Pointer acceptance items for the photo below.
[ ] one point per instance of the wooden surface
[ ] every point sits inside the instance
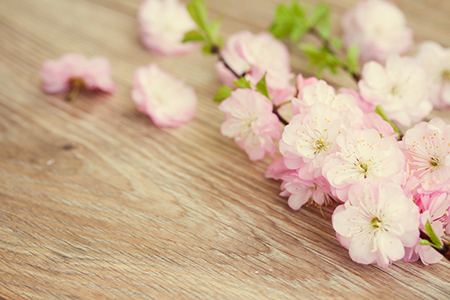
(98, 203)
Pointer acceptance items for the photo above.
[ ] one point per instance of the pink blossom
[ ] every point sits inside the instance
(365, 106)
(321, 92)
(74, 69)
(162, 24)
(301, 192)
(309, 138)
(435, 208)
(436, 61)
(164, 98)
(254, 55)
(277, 169)
(377, 223)
(401, 88)
(378, 27)
(363, 156)
(427, 150)
(251, 122)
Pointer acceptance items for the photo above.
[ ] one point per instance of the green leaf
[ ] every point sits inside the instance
(283, 14)
(320, 12)
(337, 43)
(197, 10)
(280, 30)
(298, 10)
(324, 28)
(426, 243)
(379, 110)
(242, 83)
(193, 36)
(261, 86)
(298, 30)
(353, 58)
(434, 238)
(207, 48)
(223, 93)
(214, 29)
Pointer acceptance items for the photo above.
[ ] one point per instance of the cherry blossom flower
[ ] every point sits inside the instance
(162, 24)
(73, 71)
(164, 98)
(436, 61)
(377, 223)
(378, 27)
(320, 92)
(435, 208)
(401, 88)
(309, 138)
(427, 150)
(301, 192)
(254, 55)
(363, 156)
(251, 122)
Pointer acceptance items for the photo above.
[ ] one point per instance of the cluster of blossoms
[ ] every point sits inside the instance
(337, 146)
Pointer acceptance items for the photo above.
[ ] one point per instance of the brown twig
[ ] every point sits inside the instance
(445, 251)
(216, 50)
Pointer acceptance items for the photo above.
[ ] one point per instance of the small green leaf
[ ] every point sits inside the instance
(337, 43)
(261, 86)
(426, 243)
(242, 83)
(298, 30)
(320, 12)
(193, 36)
(280, 30)
(223, 93)
(214, 29)
(353, 58)
(324, 28)
(197, 10)
(434, 238)
(298, 10)
(207, 48)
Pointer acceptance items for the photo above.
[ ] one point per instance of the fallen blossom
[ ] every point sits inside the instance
(162, 25)
(164, 98)
(73, 71)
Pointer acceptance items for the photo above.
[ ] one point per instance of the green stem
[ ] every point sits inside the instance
(326, 43)
(379, 110)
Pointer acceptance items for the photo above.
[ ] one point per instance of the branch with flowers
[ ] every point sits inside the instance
(346, 146)
(343, 146)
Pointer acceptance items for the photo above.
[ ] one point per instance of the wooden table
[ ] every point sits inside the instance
(98, 203)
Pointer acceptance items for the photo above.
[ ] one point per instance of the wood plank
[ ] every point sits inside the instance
(98, 203)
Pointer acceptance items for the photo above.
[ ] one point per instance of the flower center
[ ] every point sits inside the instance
(363, 167)
(395, 90)
(434, 161)
(376, 223)
(445, 75)
(320, 145)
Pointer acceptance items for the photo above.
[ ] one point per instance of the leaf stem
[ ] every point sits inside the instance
(379, 110)
(215, 49)
(326, 43)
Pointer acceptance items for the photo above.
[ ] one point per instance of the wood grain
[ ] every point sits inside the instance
(98, 203)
